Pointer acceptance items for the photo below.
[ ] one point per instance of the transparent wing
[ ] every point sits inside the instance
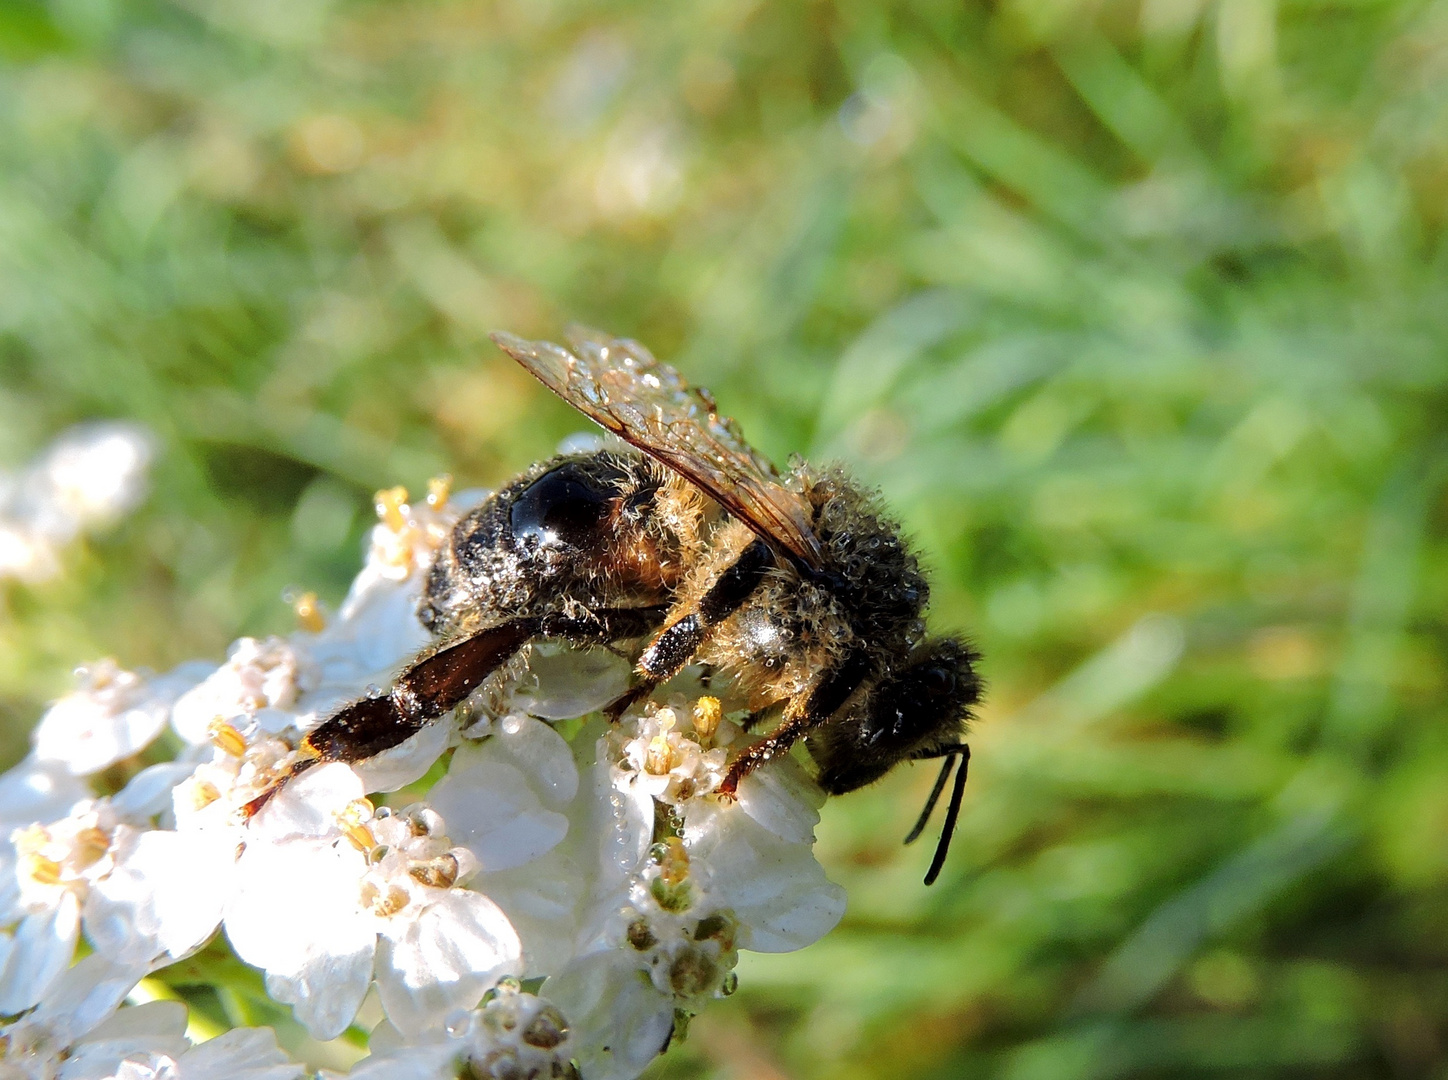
(620, 385)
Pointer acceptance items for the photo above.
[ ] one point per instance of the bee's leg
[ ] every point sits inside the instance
(676, 643)
(441, 680)
(757, 717)
(604, 625)
(801, 716)
(429, 687)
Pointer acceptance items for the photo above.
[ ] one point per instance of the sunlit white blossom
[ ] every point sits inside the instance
(111, 715)
(140, 893)
(333, 894)
(82, 1032)
(259, 682)
(513, 1035)
(90, 476)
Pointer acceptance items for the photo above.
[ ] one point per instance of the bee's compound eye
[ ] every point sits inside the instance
(938, 681)
(562, 508)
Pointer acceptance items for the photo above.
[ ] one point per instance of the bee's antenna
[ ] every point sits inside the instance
(951, 815)
(940, 780)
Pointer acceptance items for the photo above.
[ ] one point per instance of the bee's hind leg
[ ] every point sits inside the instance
(427, 689)
(441, 680)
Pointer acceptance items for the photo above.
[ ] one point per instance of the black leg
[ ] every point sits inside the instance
(823, 701)
(440, 680)
(757, 717)
(677, 643)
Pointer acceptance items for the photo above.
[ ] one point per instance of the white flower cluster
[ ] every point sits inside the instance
(89, 477)
(606, 867)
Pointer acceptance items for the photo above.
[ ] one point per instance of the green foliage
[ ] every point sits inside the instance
(1136, 313)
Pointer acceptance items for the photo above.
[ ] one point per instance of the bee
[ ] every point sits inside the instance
(685, 538)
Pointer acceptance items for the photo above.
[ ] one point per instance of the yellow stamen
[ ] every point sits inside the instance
(659, 758)
(707, 714)
(360, 836)
(674, 867)
(309, 613)
(384, 904)
(226, 737)
(202, 794)
(438, 489)
(391, 507)
(39, 868)
(91, 846)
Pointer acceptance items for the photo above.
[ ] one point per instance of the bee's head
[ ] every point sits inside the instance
(916, 708)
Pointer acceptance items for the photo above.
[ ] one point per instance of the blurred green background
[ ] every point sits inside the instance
(1136, 312)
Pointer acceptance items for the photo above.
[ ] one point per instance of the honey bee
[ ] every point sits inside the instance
(797, 585)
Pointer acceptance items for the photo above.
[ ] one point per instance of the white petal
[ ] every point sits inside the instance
(616, 1017)
(43, 946)
(433, 1059)
(149, 791)
(239, 1053)
(539, 752)
(409, 760)
(776, 889)
(543, 901)
(491, 810)
(326, 994)
(165, 894)
(85, 735)
(563, 682)
(295, 899)
(623, 821)
(85, 995)
(458, 947)
(157, 1027)
(783, 799)
(308, 806)
(38, 791)
(295, 914)
(375, 631)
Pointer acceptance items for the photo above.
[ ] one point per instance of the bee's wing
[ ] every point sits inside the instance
(619, 384)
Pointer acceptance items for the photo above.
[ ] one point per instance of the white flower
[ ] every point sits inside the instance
(239, 1054)
(55, 866)
(560, 900)
(110, 716)
(77, 1032)
(726, 875)
(90, 476)
(32, 791)
(331, 894)
(80, 1033)
(259, 682)
(140, 893)
(665, 763)
(513, 1036)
